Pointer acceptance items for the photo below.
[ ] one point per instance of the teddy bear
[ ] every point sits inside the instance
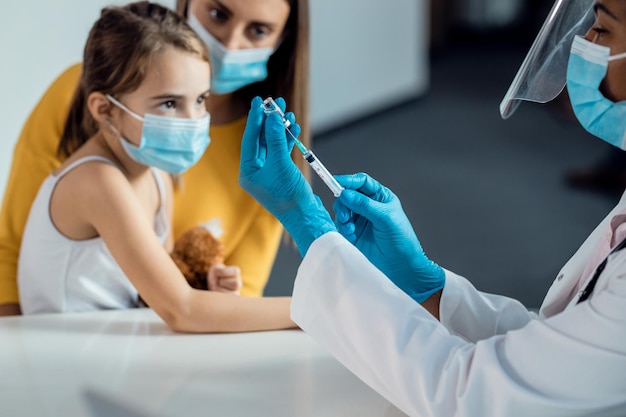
(195, 252)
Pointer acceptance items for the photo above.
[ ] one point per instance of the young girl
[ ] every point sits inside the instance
(99, 229)
(210, 192)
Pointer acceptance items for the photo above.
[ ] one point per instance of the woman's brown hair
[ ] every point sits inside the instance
(116, 58)
(288, 71)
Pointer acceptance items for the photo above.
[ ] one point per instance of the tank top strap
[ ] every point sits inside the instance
(159, 182)
(82, 161)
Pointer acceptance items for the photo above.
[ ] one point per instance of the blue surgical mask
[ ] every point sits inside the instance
(172, 144)
(232, 69)
(587, 67)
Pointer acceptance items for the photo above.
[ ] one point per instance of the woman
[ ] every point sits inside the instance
(424, 337)
(208, 192)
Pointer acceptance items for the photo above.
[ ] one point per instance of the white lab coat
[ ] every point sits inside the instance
(489, 356)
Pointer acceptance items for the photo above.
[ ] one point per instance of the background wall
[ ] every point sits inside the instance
(365, 55)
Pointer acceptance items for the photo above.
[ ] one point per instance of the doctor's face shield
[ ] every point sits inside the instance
(542, 75)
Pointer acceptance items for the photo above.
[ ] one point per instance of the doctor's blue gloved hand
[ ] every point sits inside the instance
(370, 216)
(268, 174)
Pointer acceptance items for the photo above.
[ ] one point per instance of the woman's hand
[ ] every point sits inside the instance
(370, 216)
(268, 174)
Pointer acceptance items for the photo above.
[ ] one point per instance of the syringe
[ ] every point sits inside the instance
(270, 106)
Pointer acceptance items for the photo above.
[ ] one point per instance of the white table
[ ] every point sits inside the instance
(129, 364)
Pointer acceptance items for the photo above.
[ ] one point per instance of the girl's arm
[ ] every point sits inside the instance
(114, 211)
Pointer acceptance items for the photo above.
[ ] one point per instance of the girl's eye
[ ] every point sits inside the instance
(201, 99)
(217, 15)
(168, 105)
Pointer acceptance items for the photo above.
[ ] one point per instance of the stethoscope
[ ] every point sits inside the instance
(594, 280)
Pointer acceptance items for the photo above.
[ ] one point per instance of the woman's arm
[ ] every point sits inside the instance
(256, 252)
(34, 157)
(475, 315)
(572, 364)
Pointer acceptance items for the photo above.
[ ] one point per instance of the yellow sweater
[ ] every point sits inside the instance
(209, 191)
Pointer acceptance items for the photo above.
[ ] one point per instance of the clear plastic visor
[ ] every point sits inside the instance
(542, 75)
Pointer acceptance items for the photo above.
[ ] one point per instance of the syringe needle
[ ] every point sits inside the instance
(270, 106)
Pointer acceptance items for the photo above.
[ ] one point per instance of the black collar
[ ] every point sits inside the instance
(594, 280)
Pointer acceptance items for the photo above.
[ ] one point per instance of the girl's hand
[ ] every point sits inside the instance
(222, 278)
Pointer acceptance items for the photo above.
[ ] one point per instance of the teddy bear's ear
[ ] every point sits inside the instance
(214, 226)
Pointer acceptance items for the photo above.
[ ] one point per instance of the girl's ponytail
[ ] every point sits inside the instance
(79, 125)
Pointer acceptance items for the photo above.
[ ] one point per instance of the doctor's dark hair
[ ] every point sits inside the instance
(121, 46)
(287, 69)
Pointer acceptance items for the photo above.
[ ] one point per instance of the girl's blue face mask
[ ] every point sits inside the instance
(232, 70)
(172, 144)
(587, 67)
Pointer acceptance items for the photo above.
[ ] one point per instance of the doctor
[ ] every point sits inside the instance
(424, 337)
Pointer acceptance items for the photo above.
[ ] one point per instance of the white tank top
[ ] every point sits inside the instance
(58, 274)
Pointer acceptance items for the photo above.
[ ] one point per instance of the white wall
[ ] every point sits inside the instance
(38, 40)
(366, 54)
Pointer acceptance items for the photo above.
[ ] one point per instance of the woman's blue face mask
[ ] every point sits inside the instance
(586, 69)
(172, 144)
(232, 70)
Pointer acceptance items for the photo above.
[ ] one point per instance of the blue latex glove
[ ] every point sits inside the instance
(371, 217)
(268, 173)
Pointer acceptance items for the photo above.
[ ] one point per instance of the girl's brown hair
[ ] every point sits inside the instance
(119, 50)
(288, 70)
